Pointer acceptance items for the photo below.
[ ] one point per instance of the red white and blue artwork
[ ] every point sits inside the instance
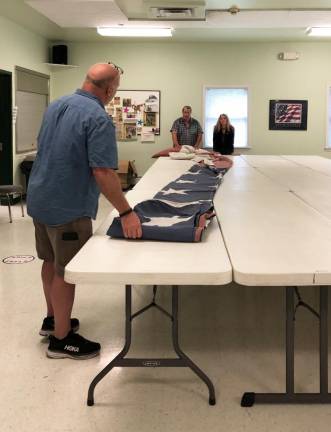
(288, 114)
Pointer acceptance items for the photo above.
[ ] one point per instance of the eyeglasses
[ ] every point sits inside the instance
(118, 68)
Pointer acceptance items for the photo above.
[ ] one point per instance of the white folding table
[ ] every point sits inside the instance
(311, 186)
(276, 238)
(272, 235)
(316, 163)
(137, 262)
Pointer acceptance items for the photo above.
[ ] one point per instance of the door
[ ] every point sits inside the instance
(6, 138)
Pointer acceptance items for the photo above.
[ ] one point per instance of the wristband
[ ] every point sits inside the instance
(126, 212)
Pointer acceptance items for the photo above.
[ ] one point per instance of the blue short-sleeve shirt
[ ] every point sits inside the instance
(76, 135)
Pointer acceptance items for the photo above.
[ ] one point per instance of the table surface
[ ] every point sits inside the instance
(316, 163)
(275, 220)
(277, 229)
(307, 178)
(106, 260)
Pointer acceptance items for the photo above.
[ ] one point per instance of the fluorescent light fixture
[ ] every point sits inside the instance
(319, 31)
(135, 31)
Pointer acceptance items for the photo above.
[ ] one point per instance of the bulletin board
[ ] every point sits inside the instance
(135, 113)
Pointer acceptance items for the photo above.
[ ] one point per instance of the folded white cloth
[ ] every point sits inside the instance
(181, 155)
(202, 152)
(205, 160)
(187, 149)
(189, 152)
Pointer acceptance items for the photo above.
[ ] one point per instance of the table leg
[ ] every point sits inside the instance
(179, 352)
(113, 363)
(9, 208)
(21, 201)
(181, 361)
(324, 340)
(290, 397)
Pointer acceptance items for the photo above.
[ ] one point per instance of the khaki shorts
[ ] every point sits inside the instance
(60, 243)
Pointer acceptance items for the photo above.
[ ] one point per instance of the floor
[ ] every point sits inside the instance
(235, 334)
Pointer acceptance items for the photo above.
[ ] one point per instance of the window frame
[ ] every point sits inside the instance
(327, 147)
(242, 86)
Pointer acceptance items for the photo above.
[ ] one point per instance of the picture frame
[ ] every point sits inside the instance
(130, 131)
(149, 119)
(127, 102)
(288, 114)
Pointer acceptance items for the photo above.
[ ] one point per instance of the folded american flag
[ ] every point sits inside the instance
(181, 210)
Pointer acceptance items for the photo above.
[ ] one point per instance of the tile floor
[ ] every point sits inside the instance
(235, 334)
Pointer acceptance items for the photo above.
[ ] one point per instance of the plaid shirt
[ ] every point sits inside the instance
(186, 135)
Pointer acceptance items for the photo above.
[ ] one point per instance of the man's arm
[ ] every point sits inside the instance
(110, 186)
(174, 131)
(198, 141)
(175, 139)
(199, 136)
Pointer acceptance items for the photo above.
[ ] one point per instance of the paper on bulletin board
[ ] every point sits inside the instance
(147, 135)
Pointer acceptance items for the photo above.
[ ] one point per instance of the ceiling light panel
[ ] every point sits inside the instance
(121, 31)
(319, 31)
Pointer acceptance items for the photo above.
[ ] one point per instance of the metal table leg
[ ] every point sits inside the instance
(121, 361)
(290, 397)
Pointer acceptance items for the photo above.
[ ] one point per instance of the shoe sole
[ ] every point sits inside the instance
(62, 355)
(51, 332)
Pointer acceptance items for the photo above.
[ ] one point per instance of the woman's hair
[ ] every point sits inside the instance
(228, 125)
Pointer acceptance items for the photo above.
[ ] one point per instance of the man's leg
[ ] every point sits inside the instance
(65, 343)
(66, 241)
(49, 280)
(47, 275)
(45, 252)
(62, 299)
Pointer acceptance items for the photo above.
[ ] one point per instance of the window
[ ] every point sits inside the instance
(32, 93)
(232, 101)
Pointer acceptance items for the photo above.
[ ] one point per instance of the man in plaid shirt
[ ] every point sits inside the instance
(186, 130)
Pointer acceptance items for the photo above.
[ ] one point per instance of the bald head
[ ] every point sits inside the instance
(101, 74)
(102, 80)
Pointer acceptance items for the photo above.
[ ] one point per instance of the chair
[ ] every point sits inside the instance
(9, 191)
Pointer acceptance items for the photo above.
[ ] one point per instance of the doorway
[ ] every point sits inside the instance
(6, 133)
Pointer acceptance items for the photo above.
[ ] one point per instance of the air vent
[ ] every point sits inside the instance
(172, 13)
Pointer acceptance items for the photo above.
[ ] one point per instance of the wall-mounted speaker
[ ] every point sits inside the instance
(60, 54)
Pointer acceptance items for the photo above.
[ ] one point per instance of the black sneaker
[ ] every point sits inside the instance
(47, 329)
(72, 346)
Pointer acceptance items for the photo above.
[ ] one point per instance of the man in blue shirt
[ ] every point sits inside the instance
(76, 159)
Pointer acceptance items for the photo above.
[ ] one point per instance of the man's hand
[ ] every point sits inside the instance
(131, 226)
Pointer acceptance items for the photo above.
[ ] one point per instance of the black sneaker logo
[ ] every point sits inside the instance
(71, 348)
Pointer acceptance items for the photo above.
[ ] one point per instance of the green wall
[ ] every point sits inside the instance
(20, 47)
(181, 70)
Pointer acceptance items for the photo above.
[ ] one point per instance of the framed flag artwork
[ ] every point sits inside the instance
(288, 114)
